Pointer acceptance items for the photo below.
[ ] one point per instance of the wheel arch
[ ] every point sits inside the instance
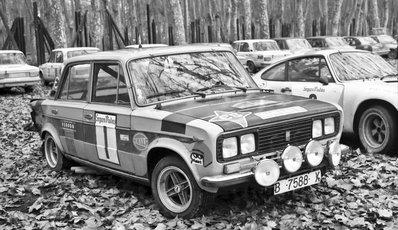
(49, 129)
(369, 103)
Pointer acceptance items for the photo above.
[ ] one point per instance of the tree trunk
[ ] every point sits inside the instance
(386, 13)
(57, 25)
(375, 14)
(336, 14)
(300, 26)
(248, 18)
(97, 30)
(264, 22)
(358, 12)
(234, 19)
(178, 29)
(227, 9)
(325, 17)
(350, 12)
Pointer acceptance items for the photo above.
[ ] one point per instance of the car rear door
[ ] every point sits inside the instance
(107, 118)
(67, 109)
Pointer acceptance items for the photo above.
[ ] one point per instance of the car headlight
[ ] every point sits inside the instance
(329, 125)
(292, 159)
(334, 153)
(230, 147)
(314, 153)
(267, 172)
(316, 128)
(247, 143)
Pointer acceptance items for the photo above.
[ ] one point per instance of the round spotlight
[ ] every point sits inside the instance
(334, 153)
(314, 153)
(267, 172)
(292, 159)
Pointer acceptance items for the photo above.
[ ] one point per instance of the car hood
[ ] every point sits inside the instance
(347, 47)
(246, 110)
(387, 85)
(18, 68)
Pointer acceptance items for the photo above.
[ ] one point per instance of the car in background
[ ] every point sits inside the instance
(329, 42)
(186, 120)
(53, 67)
(363, 83)
(295, 45)
(15, 72)
(367, 43)
(389, 43)
(258, 53)
(137, 46)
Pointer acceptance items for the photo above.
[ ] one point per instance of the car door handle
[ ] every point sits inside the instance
(286, 89)
(54, 111)
(88, 116)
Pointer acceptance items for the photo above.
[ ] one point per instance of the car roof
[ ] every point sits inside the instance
(255, 40)
(75, 48)
(320, 52)
(314, 37)
(127, 54)
(11, 51)
(288, 38)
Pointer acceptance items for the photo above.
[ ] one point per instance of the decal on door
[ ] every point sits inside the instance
(105, 130)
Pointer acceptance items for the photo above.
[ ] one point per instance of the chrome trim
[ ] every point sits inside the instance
(226, 180)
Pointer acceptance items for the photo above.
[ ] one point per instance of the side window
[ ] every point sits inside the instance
(324, 70)
(244, 47)
(110, 84)
(305, 69)
(275, 74)
(59, 57)
(75, 84)
(235, 46)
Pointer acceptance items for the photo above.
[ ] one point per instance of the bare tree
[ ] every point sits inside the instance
(178, 30)
(375, 14)
(97, 30)
(248, 18)
(57, 24)
(264, 24)
(234, 19)
(300, 25)
(336, 14)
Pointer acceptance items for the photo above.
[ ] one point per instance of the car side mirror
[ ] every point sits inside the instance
(324, 80)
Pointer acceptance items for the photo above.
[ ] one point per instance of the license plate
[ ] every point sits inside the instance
(297, 182)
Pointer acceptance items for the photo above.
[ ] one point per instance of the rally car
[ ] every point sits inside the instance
(187, 121)
(364, 84)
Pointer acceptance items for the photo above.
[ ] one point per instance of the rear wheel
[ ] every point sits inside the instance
(175, 190)
(251, 66)
(54, 157)
(378, 130)
(393, 54)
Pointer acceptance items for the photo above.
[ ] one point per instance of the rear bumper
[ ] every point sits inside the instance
(21, 81)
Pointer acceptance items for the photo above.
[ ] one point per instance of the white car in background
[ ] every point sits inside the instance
(52, 68)
(15, 72)
(362, 83)
(258, 53)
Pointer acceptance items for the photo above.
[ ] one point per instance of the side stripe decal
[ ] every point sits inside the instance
(176, 123)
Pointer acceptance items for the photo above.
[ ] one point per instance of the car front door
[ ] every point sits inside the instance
(67, 109)
(107, 118)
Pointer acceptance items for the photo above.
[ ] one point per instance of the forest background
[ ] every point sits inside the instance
(193, 21)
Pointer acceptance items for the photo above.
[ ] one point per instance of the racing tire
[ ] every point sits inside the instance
(393, 54)
(54, 157)
(251, 67)
(377, 130)
(176, 191)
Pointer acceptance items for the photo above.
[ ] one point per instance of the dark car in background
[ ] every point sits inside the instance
(389, 43)
(295, 45)
(367, 43)
(329, 42)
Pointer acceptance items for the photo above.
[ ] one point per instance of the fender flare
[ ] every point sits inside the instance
(49, 128)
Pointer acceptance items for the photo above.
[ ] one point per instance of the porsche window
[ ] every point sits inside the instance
(75, 84)
(167, 77)
(308, 69)
(277, 73)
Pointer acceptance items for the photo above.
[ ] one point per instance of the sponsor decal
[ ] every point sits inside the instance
(280, 112)
(235, 117)
(196, 158)
(68, 125)
(105, 120)
(124, 137)
(314, 89)
(254, 103)
(140, 141)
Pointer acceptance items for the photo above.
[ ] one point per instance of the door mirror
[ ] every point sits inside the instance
(324, 80)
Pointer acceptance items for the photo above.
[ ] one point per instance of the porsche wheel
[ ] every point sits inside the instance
(175, 189)
(251, 67)
(54, 157)
(377, 130)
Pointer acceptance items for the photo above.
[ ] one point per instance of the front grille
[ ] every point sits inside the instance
(273, 137)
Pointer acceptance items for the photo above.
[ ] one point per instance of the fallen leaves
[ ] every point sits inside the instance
(362, 193)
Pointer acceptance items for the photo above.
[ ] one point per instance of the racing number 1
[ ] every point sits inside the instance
(105, 132)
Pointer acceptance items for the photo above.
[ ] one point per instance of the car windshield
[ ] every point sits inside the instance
(75, 53)
(386, 39)
(357, 66)
(169, 77)
(12, 58)
(367, 41)
(335, 41)
(265, 45)
(298, 44)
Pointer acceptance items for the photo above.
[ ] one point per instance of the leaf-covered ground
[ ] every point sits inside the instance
(361, 194)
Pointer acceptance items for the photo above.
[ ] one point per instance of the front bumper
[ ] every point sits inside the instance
(20, 81)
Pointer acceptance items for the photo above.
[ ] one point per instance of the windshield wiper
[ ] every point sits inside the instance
(389, 75)
(164, 93)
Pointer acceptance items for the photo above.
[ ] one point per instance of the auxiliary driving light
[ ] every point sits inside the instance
(292, 159)
(334, 153)
(267, 172)
(314, 153)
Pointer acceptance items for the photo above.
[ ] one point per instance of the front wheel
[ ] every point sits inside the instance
(176, 191)
(54, 157)
(251, 67)
(378, 130)
(393, 54)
